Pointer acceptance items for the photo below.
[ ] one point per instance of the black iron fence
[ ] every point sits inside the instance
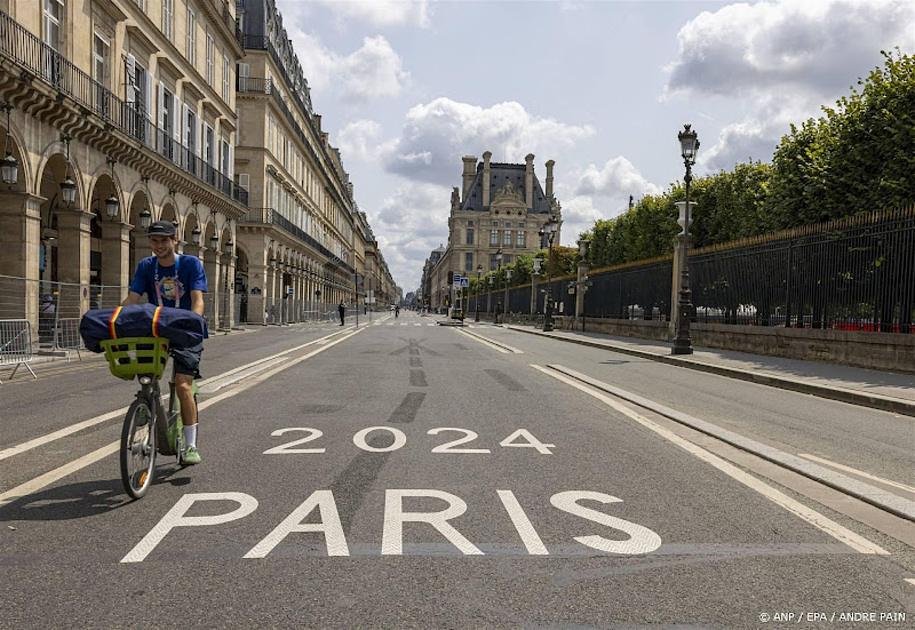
(30, 53)
(856, 273)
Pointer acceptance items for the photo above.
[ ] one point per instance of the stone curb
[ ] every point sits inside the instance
(862, 399)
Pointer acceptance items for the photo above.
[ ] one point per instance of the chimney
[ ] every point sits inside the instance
(470, 166)
(549, 180)
(487, 174)
(529, 180)
(318, 121)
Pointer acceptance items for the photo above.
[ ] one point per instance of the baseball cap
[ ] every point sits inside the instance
(161, 228)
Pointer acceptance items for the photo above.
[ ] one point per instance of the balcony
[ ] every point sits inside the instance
(269, 216)
(40, 60)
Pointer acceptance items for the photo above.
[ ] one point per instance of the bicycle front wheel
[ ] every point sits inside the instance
(138, 449)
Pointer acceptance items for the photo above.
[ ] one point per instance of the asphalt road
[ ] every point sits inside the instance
(412, 475)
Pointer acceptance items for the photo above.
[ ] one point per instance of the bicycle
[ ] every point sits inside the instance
(149, 427)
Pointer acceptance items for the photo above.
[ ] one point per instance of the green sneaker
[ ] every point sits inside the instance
(190, 456)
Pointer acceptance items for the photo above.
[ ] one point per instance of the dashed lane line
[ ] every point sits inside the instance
(79, 426)
(821, 522)
(50, 477)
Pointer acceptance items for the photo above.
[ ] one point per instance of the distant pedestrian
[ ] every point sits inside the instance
(342, 309)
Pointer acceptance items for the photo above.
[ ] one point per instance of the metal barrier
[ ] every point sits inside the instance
(16, 344)
(66, 336)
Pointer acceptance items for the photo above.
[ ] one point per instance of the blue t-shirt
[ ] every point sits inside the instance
(163, 288)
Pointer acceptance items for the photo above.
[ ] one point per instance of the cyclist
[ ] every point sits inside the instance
(179, 282)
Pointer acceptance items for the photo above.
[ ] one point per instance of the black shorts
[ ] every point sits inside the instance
(187, 360)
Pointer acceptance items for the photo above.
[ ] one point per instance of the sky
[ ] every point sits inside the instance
(407, 88)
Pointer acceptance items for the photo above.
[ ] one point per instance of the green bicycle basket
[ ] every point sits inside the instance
(129, 357)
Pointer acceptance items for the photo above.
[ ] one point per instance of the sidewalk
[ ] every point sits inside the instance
(888, 391)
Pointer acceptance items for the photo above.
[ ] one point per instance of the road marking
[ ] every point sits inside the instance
(498, 345)
(79, 426)
(522, 523)
(910, 581)
(855, 471)
(840, 533)
(48, 478)
(419, 324)
(482, 340)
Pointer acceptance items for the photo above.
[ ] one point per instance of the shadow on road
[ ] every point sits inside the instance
(80, 500)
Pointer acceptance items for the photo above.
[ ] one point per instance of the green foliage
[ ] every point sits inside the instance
(857, 157)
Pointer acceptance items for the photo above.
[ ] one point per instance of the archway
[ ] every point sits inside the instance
(64, 248)
(139, 244)
(109, 258)
(20, 239)
(241, 284)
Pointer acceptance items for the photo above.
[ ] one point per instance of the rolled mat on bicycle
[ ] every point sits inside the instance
(182, 328)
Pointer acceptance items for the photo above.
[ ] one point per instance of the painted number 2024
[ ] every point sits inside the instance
(522, 438)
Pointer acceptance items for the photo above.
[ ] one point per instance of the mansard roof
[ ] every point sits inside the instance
(501, 174)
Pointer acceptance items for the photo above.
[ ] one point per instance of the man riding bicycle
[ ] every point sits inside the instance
(175, 281)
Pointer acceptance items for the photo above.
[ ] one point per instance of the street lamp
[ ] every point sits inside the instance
(145, 218)
(112, 205)
(68, 186)
(689, 146)
(195, 236)
(548, 233)
(582, 283)
(499, 257)
(476, 317)
(492, 281)
(537, 265)
(508, 278)
(9, 170)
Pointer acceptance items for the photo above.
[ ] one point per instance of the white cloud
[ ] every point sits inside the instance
(373, 71)
(437, 133)
(380, 13)
(819, 46)
(409, 224)
(616, 178)
(361, 140)
(786, 59)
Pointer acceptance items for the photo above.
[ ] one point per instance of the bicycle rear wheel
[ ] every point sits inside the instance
(138, 449)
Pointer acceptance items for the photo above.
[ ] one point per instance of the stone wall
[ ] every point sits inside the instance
(879, 351)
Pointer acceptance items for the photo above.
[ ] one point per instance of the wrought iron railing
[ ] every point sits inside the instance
(30, 53)
(855, 274)
(269, 216)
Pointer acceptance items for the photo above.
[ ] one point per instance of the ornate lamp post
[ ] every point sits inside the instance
(535, 271)
(582, 282)
(495, 315)
(476, 317)
(689, 146)
(508, 279)
(112, 205)
(548, 232)
(492, 281)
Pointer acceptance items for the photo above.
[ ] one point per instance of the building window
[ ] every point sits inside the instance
(520, 238)
(468, 261)
(191, 41)
(494, 238)
(507, 260)
(507, 238)
(53, 16)
(226, 75)
(211, 50)
(470, 236)
(168, 18)
(493, 263)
